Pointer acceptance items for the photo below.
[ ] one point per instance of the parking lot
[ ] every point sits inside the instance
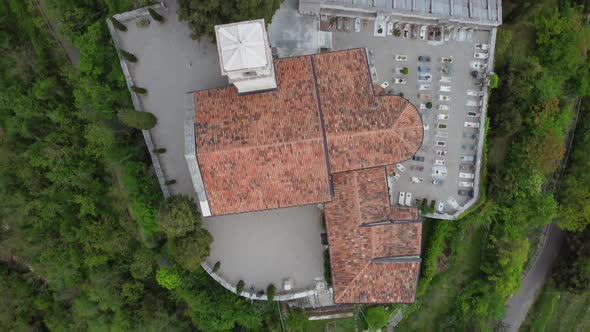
(447, 90)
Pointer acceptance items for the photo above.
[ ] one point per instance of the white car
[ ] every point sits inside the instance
(400, 167)
(439, 171)
(480, 55)
(473, 114)
(468, 158)
(445, 88)
(445, 79)
(398, 70)
(440, 162)
(424, 87)
(474, 103)
(402, 198)
(396, 175)
(441, 153)
(424, 78)
(466, 184)
(469, 124)
(357, 24)
(441, 143)
(416, 179)
(401, 57)
(482, 47)
(443, 116)
(444, 98)
(466, 175)
(444, 107)
(446, 59)
(442, 134)
(384, 85)
(423, 32)
(474, 93)
(409, 199)
(478, 65)
(423, 106)
(398, 80)
(389, 28)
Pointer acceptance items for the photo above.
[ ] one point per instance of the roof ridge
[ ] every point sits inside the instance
(242, 148)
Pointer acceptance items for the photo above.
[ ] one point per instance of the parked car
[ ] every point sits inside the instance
(418, 158)
(402, 198)
(414, 31)
(467, 167)
(473, 114)
(480, 55)
(400, 167)
(474, 93)
(424, 58)
(440, 162)
(442, 134)
(468, 158)
(446, 59)
(445, 88)
(396, 175)
(406, 31)
(424, 87)
(444, 98)
(442, 107)
(423, 69)
(463, 175)
(474, 103)
(478, 65)
(469, 124)
(425, 78)
(423, 32)
(389, 28)
(417, 168)
(408, 199)
(445, 79)
(441, 153)
(466, 184)
(482, 47)
(401, 57)
(468, 147)
(443, 116)
(441, 143)
(424, 96)
(399, 80)
(465, 192)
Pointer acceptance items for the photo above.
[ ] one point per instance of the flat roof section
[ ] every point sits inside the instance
(263, 150)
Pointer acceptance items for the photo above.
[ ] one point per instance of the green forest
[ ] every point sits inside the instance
(88, 242)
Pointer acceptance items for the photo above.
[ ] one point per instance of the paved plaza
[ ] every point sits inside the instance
(382, 51)
(259, 247)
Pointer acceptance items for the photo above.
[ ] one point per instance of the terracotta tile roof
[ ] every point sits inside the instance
(373, 260)
(263, 150)
(403, 214)
(269, 149)
(363, 130)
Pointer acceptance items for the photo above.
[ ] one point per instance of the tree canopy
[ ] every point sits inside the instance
(178, 216)
(202, 16)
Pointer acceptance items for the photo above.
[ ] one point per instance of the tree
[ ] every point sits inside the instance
(142, 264)
(405, 71)
(117, 24)
(296, 320)
(128, 56)
(155, 15)
(494, 81)
(169, 277)
(216, 267)
(202, 16)
(429, 105)
(270, 292)
(192, 249)
(240, 287)
(138, 119)
(138, 89)
(178, 216)
(377, 317)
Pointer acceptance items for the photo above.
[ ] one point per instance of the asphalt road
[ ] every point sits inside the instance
(520, 303)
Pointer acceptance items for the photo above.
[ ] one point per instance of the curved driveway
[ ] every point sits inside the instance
(520, 303)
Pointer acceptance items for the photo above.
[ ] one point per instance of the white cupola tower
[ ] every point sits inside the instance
(245, 56)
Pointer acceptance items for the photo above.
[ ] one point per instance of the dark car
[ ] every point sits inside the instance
(467, 167)
(470, 136)
(418, 158)
(417, 168)
(424, 58)
(468, 193)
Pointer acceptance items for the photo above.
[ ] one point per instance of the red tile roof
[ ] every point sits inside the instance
(363, 130)
(372, 259)
(268, 150)
(264, 150)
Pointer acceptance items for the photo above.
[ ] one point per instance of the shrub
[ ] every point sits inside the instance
(137, 119)
(216, 267)
(159, 150)
(429, 105)
(137, 89)
(270, 292)
(397, 32)
(191, 250)
(296, 320)
(154, 14)
(117, 24)
(128, 56)
(240, 287)
(179, 216)
(377, 317)
(494, 81)
(405, 71)
(170, 182)
(144, 22)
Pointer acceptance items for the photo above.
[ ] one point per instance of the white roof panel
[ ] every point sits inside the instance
(242, 46)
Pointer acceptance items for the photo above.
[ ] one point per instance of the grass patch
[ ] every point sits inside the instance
(341, 324)
(558, 311)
